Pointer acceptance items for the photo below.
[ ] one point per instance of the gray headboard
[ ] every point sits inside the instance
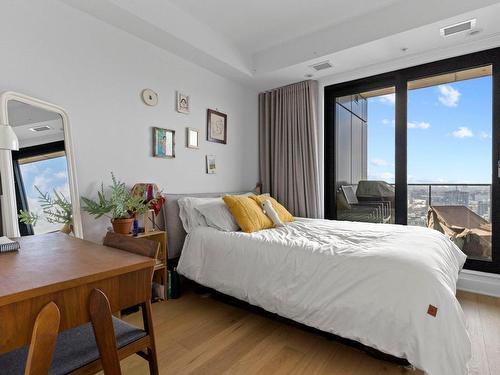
(169, 220)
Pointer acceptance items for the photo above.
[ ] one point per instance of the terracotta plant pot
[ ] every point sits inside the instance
(67, 228)
(122, 226)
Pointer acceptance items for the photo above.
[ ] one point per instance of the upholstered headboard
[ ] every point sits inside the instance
(170, 221)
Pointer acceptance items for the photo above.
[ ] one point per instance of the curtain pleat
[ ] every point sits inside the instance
(288, 147)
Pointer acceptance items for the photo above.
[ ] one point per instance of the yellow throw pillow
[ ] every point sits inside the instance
(283, 213)
(247, 213)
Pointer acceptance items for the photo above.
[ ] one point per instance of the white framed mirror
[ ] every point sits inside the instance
(43, 168)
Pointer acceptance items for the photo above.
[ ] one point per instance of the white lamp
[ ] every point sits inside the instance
(8, 139)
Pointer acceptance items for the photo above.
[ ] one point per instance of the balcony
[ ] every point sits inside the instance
(461, 211)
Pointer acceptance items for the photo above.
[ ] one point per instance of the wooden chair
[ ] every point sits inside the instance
(102, 323)
(37, 358)
(101, 314)
(139, 246)
(43, 340)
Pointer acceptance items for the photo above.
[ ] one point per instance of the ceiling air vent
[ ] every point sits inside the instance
(458, 27)
(322, 66)
(40, 128)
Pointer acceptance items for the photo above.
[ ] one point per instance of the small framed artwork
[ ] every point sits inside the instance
(182, 103)
(211, 167)
(216, 126)
(163, 143)
(192, 138)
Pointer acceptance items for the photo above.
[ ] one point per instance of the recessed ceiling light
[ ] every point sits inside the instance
(322, 65)
(404, 49)
(458, 28)
(309, 75)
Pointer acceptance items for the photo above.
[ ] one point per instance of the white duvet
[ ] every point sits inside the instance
(371, 283)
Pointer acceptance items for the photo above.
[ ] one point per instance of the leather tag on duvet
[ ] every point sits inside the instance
(432, 310)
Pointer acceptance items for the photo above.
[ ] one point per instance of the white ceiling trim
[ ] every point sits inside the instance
(173, 29)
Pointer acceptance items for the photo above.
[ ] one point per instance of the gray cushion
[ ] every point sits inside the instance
(75, 348)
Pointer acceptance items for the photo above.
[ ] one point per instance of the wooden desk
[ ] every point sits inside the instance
(57, 267)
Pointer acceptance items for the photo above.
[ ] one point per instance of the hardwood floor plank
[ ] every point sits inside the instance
(198, 335)
(490, 321)
(479, 363)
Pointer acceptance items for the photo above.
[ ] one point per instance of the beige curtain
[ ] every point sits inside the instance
(288, 146)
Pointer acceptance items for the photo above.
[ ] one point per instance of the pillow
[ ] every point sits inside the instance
(267, 206)
(247, 213)
(189, 216)
(283, 213)
(218, 216)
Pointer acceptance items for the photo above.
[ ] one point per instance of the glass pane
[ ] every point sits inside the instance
(46, 176)
(365, 143)
(449, 157)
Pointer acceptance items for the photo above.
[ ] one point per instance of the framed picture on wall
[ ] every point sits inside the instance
(182, 103)
(192, 138)
(163, 143)
(216, 126)
(211, 167)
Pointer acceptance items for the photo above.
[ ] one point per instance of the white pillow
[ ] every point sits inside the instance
(218, 216)
(189, 216)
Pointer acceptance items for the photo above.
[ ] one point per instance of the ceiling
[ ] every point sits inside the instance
(23, 117)
(270, 43)
(259, 24)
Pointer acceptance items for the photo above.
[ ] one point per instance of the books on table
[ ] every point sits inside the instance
(6, 245)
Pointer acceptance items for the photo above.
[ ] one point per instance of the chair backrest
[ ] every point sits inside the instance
(139, 246)
(102, 323)
(350, 194)
(43, 340)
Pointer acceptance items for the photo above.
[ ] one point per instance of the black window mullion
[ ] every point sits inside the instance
(401, 194)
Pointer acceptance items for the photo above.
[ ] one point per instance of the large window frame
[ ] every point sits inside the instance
(399, 79)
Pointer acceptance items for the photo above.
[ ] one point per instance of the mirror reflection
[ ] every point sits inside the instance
(40, 170)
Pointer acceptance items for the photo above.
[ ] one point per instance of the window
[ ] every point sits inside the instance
(40, 169)
(439, 151)
(449, 157)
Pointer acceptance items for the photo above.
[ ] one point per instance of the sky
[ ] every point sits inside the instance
(47, 175)
(449, 133)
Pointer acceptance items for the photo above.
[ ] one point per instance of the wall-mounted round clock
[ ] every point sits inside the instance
(149, 97)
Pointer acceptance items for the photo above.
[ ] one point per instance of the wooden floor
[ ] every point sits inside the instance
(198, 334)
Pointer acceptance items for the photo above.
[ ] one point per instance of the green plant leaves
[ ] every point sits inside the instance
(121, 204)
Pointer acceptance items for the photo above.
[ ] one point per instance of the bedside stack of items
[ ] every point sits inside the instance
(8, 245)
(160, 284)
(154, 201)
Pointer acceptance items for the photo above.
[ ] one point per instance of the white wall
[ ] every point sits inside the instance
(96, 72)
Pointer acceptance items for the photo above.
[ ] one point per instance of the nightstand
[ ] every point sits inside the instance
(160, 271)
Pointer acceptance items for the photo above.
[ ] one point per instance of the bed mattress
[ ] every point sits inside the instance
(389, 287)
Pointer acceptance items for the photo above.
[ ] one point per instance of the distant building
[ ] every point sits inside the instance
(456, 197)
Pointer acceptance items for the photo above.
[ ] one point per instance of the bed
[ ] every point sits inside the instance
(389, 287)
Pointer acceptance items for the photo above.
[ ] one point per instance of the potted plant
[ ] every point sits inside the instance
(121, 206)
(56, 209)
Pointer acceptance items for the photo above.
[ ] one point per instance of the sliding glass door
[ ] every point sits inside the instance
(364, 126)
(449, 157)
(423, 150)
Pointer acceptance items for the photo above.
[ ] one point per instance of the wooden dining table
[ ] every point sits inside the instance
(60, 268)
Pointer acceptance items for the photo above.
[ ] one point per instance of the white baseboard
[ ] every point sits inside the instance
(479, 282)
